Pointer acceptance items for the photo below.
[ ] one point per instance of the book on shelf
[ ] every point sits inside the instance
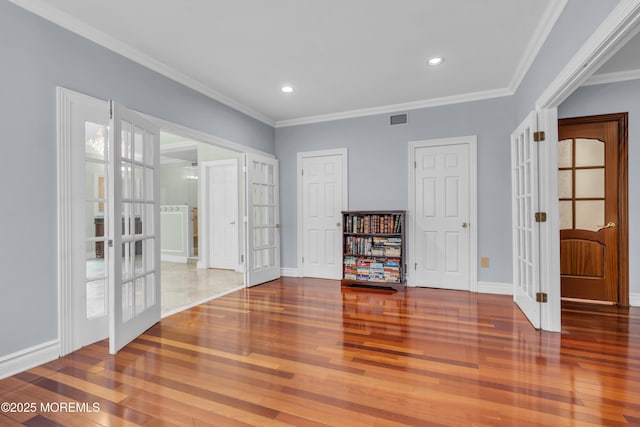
(374, 224)
(373, 248)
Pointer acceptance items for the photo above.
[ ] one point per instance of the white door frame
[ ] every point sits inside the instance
(203, 212)
(345, 195)
(471, 141)
(614, 32)
(65, 99)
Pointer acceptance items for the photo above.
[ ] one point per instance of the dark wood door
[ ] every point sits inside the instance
(591, 184)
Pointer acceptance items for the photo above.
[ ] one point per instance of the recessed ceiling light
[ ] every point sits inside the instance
(435, 61)
(287, 89)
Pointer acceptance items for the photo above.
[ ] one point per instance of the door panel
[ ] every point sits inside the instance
(222, 178)
(89, 209)
(525, 233)
(322, 200)
(588, 153)
(442, 216)
(263, 219)
(134, 263)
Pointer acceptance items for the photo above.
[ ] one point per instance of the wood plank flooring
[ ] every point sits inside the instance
(305, 352)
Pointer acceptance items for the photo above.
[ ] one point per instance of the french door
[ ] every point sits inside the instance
(524, 183)
(263, 219)
(134, 225)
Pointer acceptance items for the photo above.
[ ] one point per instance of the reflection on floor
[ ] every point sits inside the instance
(184, 286)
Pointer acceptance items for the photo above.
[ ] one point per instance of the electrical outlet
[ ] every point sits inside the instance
(484, 262)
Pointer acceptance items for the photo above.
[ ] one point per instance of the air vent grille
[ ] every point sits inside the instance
(398, 119)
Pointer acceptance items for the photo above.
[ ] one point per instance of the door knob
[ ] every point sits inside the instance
(338, 224)
(610, 224)
(465, 225)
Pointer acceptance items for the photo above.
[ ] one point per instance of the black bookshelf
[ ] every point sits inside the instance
(373, 249)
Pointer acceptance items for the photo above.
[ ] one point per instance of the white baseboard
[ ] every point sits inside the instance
(174, 258)
(28, 358)
(290, 272)
(495, 288)
(634, 299)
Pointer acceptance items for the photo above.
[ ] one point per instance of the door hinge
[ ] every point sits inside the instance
(415, 165)
(242, 258)
(111, 110)
(538, 136)
(302, 172)
(415, 266)
(541, 297)
(541, 217)
(303, 260)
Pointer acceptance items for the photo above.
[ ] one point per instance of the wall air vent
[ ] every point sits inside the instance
(398, 119)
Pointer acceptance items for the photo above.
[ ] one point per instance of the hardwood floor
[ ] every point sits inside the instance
(306, 352)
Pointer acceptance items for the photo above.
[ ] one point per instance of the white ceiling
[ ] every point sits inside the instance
(342, 57)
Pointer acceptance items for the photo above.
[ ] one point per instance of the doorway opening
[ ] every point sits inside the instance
(189, 197)
(593, 207)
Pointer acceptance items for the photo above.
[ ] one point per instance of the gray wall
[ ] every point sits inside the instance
(36, 57)
(617, 98)
(370, 141)
(577, 22)
(378, 175)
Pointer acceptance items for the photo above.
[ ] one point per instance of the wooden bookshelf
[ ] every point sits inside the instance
(373, 249)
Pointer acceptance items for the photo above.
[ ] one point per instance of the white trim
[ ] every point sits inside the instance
(404, 107)
(345, 194)
(549, 244)
(495, 288)
(536, 41)
(634, 299)
(65, 99)
(178, 146)
(620, 76)
(618, 28)
(76, 26)
(472, 142)
(199, 302)
(174, 258)
(28, 358)
(196, 135)
(290, 272)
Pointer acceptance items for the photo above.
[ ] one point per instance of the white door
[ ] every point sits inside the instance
(524, 188)
(134, 249)
(322, 204)
(89, 212)
(263, 219)
(222, 211)
(442, 216)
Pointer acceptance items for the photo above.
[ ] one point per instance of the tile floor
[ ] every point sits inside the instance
(184, 285)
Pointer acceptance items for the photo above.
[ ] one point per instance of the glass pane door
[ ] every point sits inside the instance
(263, 236)
(133, 199)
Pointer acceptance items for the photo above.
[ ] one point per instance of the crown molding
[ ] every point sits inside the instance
(616, 29)
(427, 103)
(620, 76)
(63, 19)
(537, 40)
